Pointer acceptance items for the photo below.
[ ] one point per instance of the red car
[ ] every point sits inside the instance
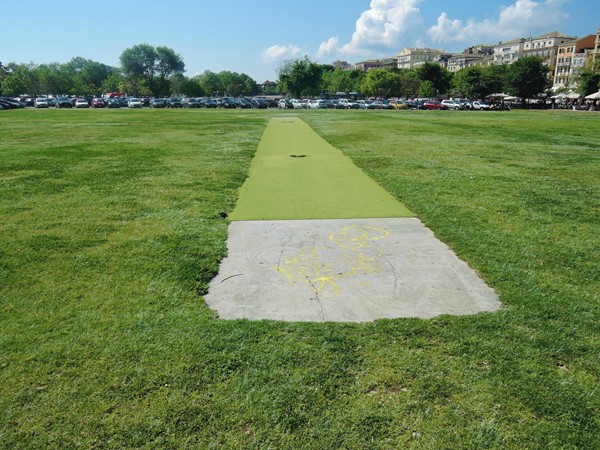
(98, 103)
(434, 104)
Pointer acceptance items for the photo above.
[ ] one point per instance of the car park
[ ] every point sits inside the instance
(112, 103)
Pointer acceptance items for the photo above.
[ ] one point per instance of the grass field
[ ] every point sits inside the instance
(110, 233)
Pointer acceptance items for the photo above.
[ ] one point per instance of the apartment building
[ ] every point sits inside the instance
(546, 47)
(415, 57)
(344, 65)
(477, 55)
(571, 57)
(508, 52)
(596, 52)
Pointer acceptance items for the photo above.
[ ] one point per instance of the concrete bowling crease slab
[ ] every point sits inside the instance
(343, 271)
(335, 269)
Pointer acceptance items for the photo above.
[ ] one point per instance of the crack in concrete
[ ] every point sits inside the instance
(317, 298)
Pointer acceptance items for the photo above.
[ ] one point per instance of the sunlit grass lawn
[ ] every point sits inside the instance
(110, 232)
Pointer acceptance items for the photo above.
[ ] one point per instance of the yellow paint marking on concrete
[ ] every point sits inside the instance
(360, 256)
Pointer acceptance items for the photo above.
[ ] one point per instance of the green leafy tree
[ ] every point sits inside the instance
(382, 83)
(427, 89)
(410, 82)
(439, 76)
(301, 77)
(211, 83)
(115, 82)
(190, 87)
(588, 81)
(479, 82)
(340, 80)
(527, 78)
(151, 67)
(21, 79)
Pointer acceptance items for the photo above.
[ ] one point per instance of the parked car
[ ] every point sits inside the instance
(317, 104)
(98, 103)
(63, 102)
(227, 102)
(207, 102)
(347, 103)
(259, 103)
(81, 103)
(243, 103)
(434, 105)
(157, 103)
(112, 103)
(134, 102)
(452, 104)
(378, 104)
(190, 103)
(284, 103)
(9, 103)
(40, 103)
(299, 104)
(173, 102)
(480, 106)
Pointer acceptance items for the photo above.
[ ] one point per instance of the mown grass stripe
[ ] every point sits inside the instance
(298, 175)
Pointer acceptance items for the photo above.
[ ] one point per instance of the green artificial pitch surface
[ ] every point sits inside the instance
(297, 175)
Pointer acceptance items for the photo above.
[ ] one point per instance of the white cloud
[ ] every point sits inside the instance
(328, 47)
(517, 20)
(382, 25)
(280, 52)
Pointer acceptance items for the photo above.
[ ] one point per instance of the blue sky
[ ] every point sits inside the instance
(256, 36)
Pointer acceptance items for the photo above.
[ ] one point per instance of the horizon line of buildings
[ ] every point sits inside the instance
(565, 56)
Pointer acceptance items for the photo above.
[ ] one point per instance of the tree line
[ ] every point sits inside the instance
(526, 78)
(144, 71)
(159, 71)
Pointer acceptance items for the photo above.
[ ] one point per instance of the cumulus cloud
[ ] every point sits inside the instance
(280, 52)
(382, 25)
(516, 20)
(328, 47)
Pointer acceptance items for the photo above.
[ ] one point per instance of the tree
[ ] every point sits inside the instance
(427, 89)
(340, 80)
(382, 83)
(437, 75)
(190, 87)
(479, 82)
(151, 66)
(527, 77)
(588, 81)
(211, 83)
(21, 79)
(301, 77)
